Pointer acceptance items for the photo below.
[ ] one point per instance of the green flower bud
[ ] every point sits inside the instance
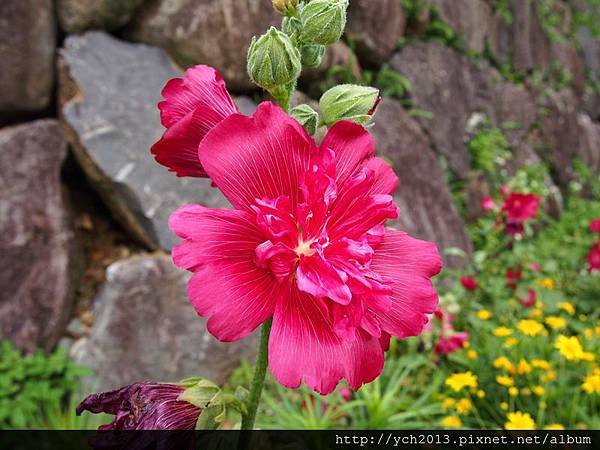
(349, 102)
(285, 6)
(307, 117)
(273, 60)
(323, 21)
(291, 26)
(312, 55)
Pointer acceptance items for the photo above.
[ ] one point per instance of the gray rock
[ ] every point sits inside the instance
(375, 26)
(79, 15)
(146, 329)
(27, 41)
(109, 90)
(452, 88)
(426, 208)
(36, 242)
(213, 32)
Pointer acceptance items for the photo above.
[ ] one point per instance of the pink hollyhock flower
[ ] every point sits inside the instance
(504, 190)
(449, 344)
(535, 267)
(346, 393)
(530, 300)
(595, 225)
(520, 207)
(143, 406)
(593, 257)
(305, 244)
(513, 276)
(192, 107)
(469, 283)
(488, 204)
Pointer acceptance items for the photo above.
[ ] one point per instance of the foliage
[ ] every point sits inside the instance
(589, 18)
(488, 148)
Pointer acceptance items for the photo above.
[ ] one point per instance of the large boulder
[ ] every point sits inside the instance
(213, 32)
(426, 208)
(27, 41)
(452, 88)
(144, 328)
(108, 95)
(375, 28)
(36, 241)
(79, 15)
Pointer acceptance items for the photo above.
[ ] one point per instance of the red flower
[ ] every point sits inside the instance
(535, 267)
(593, 257)
(513, 276)
(192, 107)
(530, 300)
(469, 283)
(595, 225)
(449, 344)
(520, 207)
(144, 406)
(305, 244)
(346, 393)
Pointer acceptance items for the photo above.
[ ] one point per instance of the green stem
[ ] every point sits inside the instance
(262, 361)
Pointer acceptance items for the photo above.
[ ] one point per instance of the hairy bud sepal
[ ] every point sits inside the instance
(312, 55)
(273, 61)
(349, 102)
(307, 117)
(323, 21)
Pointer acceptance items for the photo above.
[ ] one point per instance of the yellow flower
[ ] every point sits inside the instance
(539, 304)
(463, 406)
(591, 384)
(505, 381)
(502, 332)
(511, 342)
(588, 356)
(448, 403)
(588, 333)
(503, 406)
(555, 322)
(458, 381)
(567, 307)
(523, 367)
(547, 283)
(504, 363)
(554, 426)
(597, 330)
(541, 364)
(451, 422)
(484, 314)
(472, 355)
(549, 376)
(569, 347)
(538, 390)
(513, 391)
(519, 421)
(466, 344)
(530, 327)
(480, 394)
(536, 314)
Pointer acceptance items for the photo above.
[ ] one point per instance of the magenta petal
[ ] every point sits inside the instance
(386, 181)
(200, 86)
(258, 157)
(227, 286)
(409, 263)
(304, 347)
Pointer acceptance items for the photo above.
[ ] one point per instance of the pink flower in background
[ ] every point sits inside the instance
(520, 207)
(346, 393)
(593, 257)
(513, 276)
(535, 267)
(306, 245)
(449, 340)
(530, 300)
(488, 204)
(504, 190)
(193, 105)
(143, 406)
(469, 283)
(595, 225)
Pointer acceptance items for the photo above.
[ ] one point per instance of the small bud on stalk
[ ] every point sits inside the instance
(285, 7)
(312, 55)
(349, 102)
(307, 117)
(273, 61)
(323, 21)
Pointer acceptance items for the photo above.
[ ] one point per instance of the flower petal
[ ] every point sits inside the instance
(200, 86)
(386, 181)
(409, 263)
(352, 145)
(304, 347)
(258, 157)
(227, 286)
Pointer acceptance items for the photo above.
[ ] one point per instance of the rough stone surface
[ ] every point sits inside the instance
(375, 27)
(109, 90)
(36, 252)
(452, 88)
(146, 329)
(79, 15)
(213, 32)
(426, 208)
(27, 43)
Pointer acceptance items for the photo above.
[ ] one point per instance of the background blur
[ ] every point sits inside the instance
(477, 94)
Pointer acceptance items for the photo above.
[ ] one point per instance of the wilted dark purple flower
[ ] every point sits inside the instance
(144, 406)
